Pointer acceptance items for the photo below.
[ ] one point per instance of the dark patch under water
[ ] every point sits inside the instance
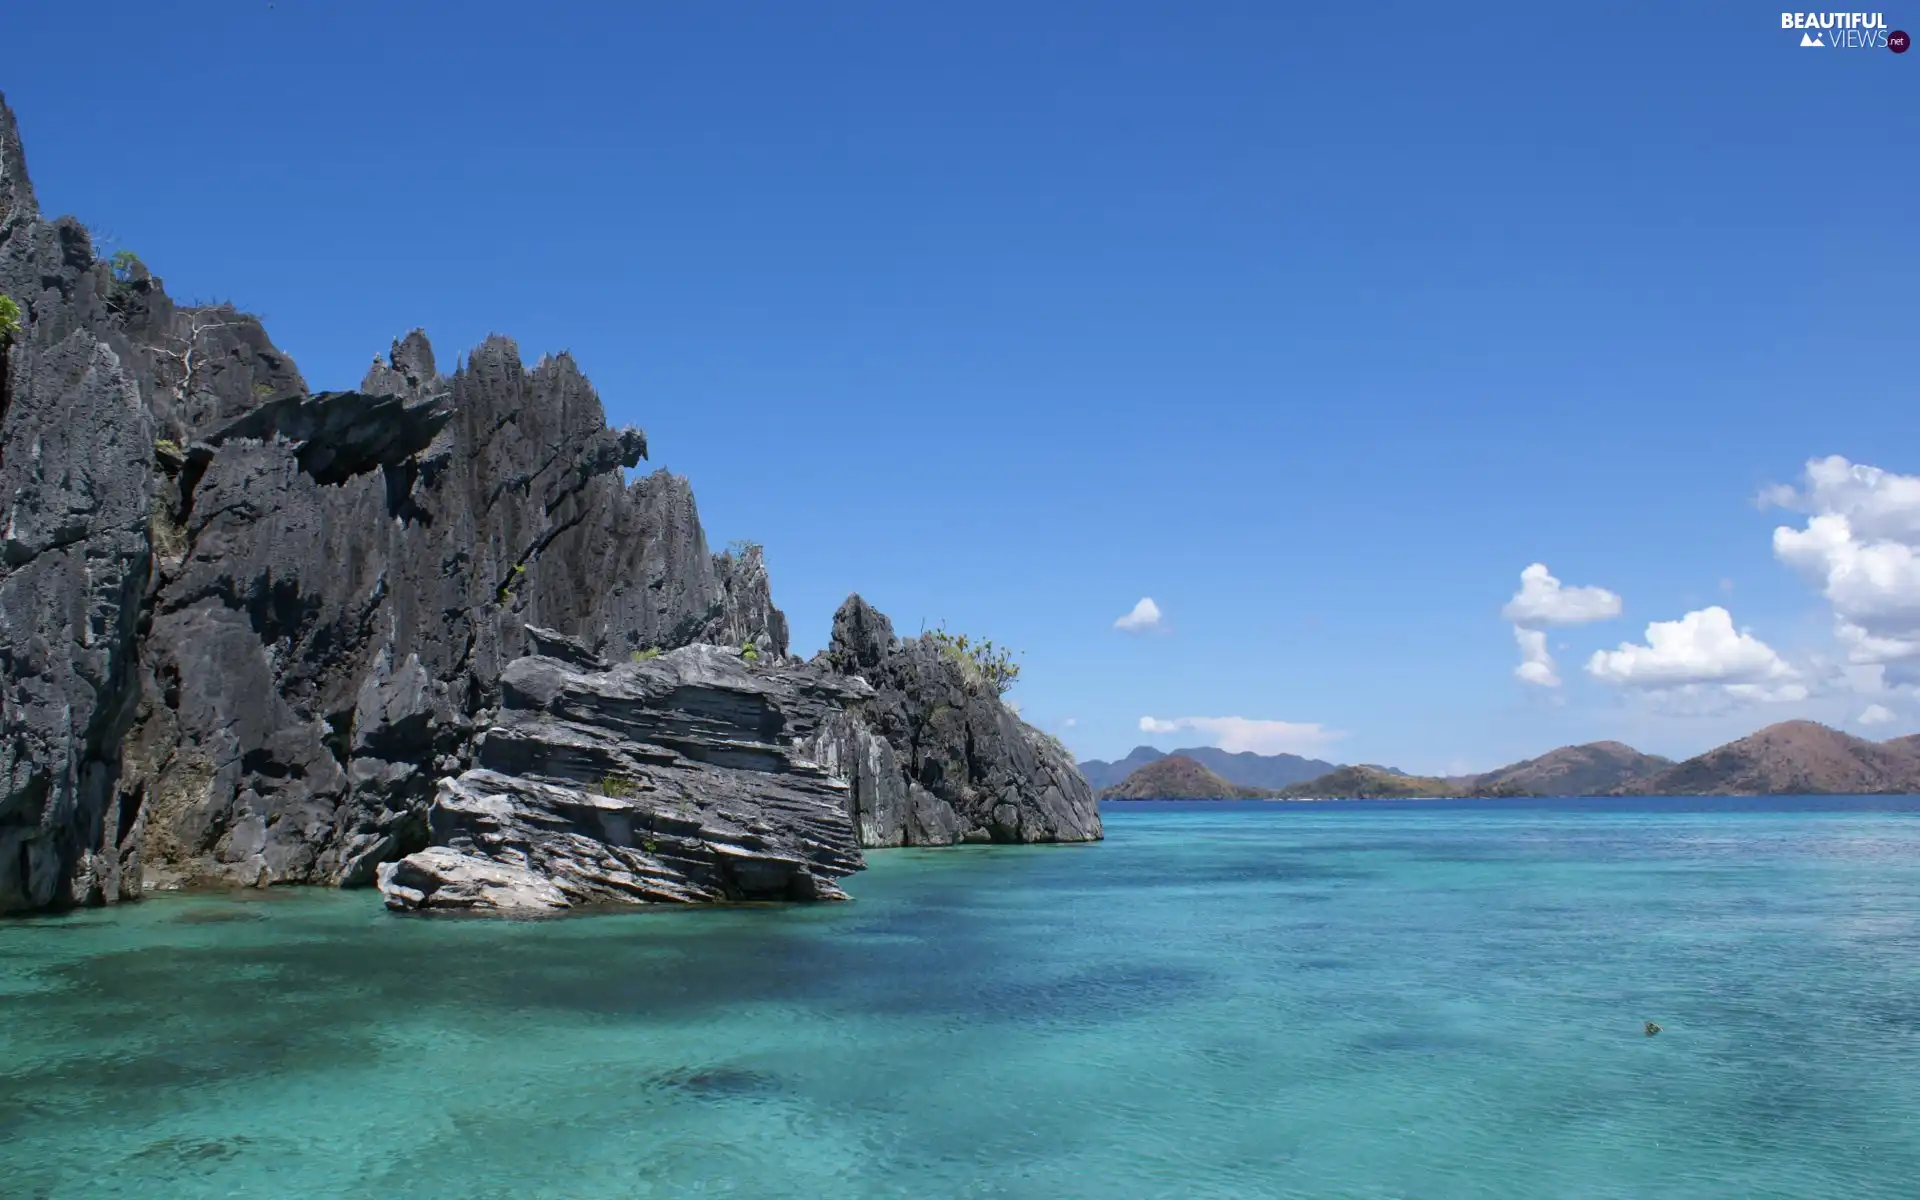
(718, 1082)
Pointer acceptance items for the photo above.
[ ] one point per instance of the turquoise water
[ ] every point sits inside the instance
(1238, 1001)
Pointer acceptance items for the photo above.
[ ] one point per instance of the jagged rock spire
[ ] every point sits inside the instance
(17, 205)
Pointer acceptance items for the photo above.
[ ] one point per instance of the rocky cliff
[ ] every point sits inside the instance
(246, 631)
(935, 757)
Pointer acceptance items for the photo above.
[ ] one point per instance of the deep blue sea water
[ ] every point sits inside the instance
(1365, 1000)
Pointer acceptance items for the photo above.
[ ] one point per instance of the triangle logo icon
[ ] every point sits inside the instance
(1811, 39)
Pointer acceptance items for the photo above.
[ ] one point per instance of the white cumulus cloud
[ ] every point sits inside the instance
(1070, 723)
(1543, 600)
(1879, 505)
(1144, 616)
(1860, 546)
(1536, 665)
(1234, 734)
(1875, 714)
(1701, 648)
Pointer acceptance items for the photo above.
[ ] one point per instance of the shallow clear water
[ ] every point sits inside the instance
(1220, 1001)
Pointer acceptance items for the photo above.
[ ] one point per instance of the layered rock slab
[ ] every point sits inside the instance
(678, 779)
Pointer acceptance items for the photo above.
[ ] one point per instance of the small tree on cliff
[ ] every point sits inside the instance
(182, 353)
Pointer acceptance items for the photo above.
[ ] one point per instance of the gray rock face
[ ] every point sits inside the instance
(251, 634)
(370, 562)
(292, 607)
(75, 442)
(935, 757)
(672, 780)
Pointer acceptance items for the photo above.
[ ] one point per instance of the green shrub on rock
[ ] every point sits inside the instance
(981, 662)
(619, 787)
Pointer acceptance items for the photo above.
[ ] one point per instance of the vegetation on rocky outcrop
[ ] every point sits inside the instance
(1373, 783)
(981, 661)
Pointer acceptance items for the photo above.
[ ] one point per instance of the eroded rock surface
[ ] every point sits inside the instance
(677, 780)
(249, 633)
(75, 440)
(935, 757)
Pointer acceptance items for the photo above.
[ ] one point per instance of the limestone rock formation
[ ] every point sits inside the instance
(248, 632)
(675, 779)
(75, 441)
(935, 757)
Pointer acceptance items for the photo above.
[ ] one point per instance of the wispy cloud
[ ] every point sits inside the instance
(1234, 734)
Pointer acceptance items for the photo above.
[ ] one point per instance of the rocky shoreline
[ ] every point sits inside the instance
(422, 633)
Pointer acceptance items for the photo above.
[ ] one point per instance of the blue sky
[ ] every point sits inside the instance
(1316, 327)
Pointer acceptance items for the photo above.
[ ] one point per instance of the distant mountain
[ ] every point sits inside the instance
(1374, 783)
(1594, 769)
(1792, 758)
(1245, 769)
(1103, 775)
(1177, 777)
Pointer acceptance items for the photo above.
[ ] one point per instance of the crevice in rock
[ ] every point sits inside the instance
(192, 470)
(339, 736)
(130, 806)
(402, 505)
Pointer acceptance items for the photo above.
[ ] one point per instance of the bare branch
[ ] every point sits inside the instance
(183, 351)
